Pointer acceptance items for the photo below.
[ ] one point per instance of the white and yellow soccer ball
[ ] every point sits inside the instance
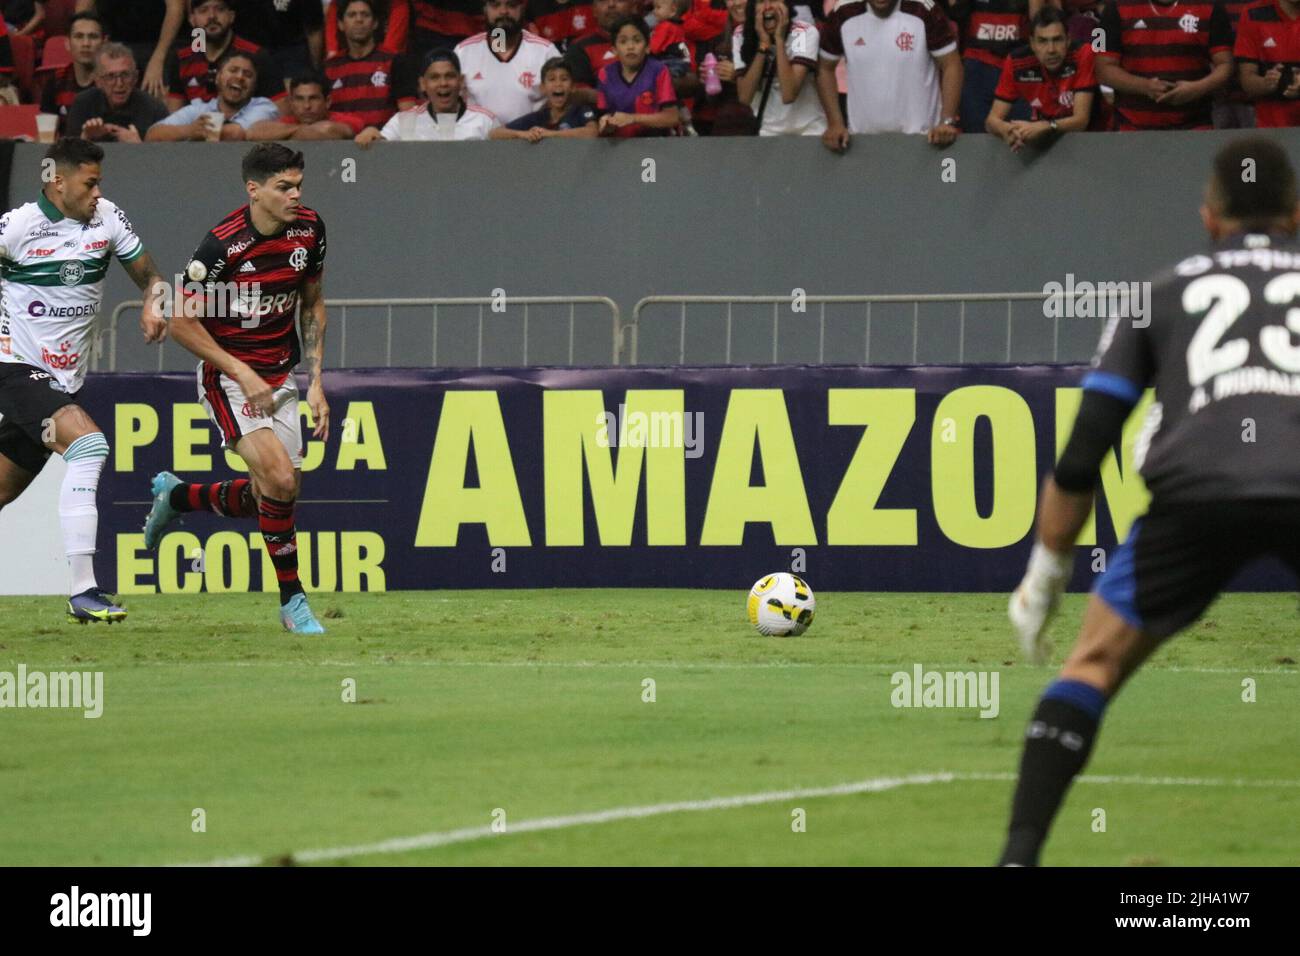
(781, 605)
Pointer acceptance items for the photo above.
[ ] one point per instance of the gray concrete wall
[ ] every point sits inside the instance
(726, 216)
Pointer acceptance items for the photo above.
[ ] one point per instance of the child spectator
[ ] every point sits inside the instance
(635, 93)
(560, 115)
(668, 40)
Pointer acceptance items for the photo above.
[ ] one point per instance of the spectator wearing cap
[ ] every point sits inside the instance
(85, 37)
(903, 71)
(193, 74)
(503, 65)
(635, 94)
(1165, 61)
(560, 115)
(292, 32)
(310, 115)
(445, 115)
(148, 27)
(366, 81)
(235, 105)
(114, 109)
(1052, 77)
(776, 48)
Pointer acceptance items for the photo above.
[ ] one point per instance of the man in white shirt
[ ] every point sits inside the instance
(904, 70)
(503, 65)
(446, 115)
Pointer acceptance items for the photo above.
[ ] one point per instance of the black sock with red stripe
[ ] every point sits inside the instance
(232, 498)
(275, 518)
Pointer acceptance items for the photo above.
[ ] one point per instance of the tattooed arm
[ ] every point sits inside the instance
(312, 322)
(153, 319)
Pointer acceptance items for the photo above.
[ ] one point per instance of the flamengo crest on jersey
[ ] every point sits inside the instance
(53, 271)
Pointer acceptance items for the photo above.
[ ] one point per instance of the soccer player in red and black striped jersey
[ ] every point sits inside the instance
(366, 82)
(1268, 52)
(1164, 61)
(1056, 78)
(271, 255)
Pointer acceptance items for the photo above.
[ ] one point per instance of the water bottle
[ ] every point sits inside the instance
(712, 85)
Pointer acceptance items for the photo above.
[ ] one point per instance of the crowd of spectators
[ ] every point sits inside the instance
(1026, 71)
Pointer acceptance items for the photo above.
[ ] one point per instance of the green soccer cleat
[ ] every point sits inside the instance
(296, 616)
(162, 513)
(94, 606)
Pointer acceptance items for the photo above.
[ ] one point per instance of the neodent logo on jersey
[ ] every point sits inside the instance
(38, 309)
(1098, 300)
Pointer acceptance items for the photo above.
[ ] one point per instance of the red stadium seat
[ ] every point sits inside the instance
(55, 53)
(24, 65)
(18, 122)
(58, 17)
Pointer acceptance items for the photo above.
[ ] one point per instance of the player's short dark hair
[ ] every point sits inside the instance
(556, 63)
(633, 21)
(437, 55)
(1045, 17)
(87, 15)
(344, 4)
(69, 152)
(269, 159)
(1264, 196)
(236, 55)
(310, 78)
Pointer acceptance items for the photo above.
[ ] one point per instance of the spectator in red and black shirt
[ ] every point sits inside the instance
(1268, 52)
(993, 29)
(1053, 77)
(394, 32)
(561, 22)
(1164, 61)
(443, 23)
(1232, 108)
(366, 82)
(588, 56)
(194, 74)
(85, 37)
(311, 115)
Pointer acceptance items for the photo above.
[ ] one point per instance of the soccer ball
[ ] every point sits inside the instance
(781, 605)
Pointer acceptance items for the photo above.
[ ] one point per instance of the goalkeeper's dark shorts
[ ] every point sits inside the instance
(1178, 558)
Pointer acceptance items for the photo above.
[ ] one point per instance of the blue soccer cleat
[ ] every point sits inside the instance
(162, 513)
(94, 605)
(296, 616)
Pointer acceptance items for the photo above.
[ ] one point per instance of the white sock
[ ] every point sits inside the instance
(78, 514)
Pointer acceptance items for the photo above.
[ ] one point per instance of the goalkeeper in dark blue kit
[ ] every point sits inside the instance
(1220, 454)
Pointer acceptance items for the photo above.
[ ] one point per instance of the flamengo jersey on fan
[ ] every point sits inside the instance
(1049, 95)
(258, 326)
(506, 88)
(893, 82)
(1267, 37)
(1173, 41)
(994, 28)
(53, 269)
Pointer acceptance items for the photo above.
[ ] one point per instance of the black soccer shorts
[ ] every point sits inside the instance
(27, 401)
(1178, 558)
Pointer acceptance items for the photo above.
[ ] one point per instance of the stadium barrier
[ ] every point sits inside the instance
(338, 317)
(865, 478)
(795, 308)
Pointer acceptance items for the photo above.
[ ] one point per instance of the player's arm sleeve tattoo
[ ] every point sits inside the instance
(312, 298)
(145, 275)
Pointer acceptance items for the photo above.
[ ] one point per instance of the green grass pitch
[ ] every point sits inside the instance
(477, 707)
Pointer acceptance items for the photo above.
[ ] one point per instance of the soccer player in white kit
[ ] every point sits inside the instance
(54, 254)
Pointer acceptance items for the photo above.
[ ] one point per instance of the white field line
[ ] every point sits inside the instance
(423, 841)
(697, 665)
